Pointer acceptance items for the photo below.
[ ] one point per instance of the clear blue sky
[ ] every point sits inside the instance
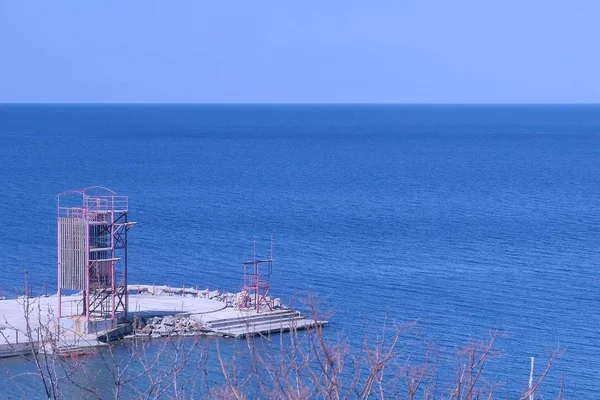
(401, 51)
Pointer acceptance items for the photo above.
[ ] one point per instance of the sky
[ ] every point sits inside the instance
(323, 51)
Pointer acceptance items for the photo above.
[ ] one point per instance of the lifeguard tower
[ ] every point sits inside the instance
(93, 227)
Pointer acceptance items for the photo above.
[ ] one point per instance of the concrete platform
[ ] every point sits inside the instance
(23, 322)
(149, 305)
(213, 316)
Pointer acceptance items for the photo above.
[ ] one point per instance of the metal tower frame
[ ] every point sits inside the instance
(257, 283)
(93, 226)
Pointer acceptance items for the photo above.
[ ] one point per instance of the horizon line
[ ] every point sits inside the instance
(2, 103)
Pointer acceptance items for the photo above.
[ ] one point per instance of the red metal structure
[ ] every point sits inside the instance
(257, 283)
(93, 226)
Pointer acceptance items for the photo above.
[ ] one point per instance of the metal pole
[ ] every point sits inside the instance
(59, 267)
(113, 263)
(531, 395)
(126, 245)
(88, 265)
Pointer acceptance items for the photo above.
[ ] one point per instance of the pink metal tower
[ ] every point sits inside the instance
(93, 226)
(257, 283)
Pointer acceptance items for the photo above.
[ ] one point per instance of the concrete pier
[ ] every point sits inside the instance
(154, 311)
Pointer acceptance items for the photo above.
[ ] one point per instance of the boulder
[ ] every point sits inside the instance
(162, 330)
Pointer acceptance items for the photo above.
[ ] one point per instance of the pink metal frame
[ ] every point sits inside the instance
(104, 216)
(257, 283)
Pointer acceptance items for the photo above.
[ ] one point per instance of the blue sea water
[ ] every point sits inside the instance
(464, 218)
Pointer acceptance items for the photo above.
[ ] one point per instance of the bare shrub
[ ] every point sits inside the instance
(397, 363)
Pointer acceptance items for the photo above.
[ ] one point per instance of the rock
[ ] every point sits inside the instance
(147, 329)
(231, 297)
(169, 320)
(162, 330)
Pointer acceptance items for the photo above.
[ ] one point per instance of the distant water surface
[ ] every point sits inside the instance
(465, 218)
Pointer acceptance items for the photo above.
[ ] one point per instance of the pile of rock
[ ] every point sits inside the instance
(169, 325)
(230, 299)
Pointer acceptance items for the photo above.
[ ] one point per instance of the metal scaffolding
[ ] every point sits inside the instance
(93, 226)
(257, 283)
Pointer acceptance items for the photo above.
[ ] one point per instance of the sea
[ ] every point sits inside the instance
(458, 220)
